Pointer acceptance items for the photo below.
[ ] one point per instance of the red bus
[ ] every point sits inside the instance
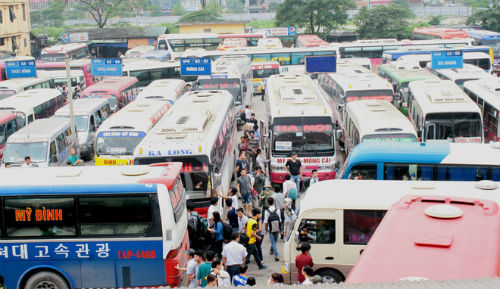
(310, 40)
(57, 53)
(120, 90)
(433, 237)
(81, 71)
(429, 33)
(8, 126)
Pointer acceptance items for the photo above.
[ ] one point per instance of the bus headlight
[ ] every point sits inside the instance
(277, 169)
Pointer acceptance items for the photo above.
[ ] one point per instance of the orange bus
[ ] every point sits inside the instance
(429, 33)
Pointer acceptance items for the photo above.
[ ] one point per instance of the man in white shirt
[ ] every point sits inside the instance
(248, 112)
(273, 226)
(233, 255)
(27, 162)
(191, 269)
(242, 221)
(314, 178)
(214, 201)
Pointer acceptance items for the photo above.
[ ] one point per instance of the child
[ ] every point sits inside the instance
(241, 279)
(307, 272)
(233, 195)
(211, 280)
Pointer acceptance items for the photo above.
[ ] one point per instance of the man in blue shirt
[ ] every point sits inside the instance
(73, 158)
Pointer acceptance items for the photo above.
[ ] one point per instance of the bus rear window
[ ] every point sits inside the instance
(359, 225)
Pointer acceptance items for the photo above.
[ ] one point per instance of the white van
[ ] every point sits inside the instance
(89, 114)
(46, 141)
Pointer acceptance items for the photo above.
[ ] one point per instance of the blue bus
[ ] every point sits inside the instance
(486, 38)
(423, 162)
(92, 227)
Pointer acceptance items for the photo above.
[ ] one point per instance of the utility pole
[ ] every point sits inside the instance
(70, 101)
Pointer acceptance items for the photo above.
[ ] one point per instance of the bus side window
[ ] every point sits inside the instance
(317, 231)
(98, 118)
(11, 127)
(92, 123)
(363, 172)
(359, 225)
(61, 143)
(53, 153)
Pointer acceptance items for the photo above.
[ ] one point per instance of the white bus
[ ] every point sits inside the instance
(46, 141)
(147, 71)
(461, 75)
(118, 136)
(352, 83)
(178, 43)
(261, 71)
(33, 104)
(441, 111)
(376, 120)
(234, 74)
(57, 53)
(339, 217)
(165, 89)
(479, 59)
(17, 85)
(485, 92)
(200, 132)
(300, 120)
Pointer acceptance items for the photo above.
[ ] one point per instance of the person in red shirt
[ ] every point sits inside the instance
(303, 260)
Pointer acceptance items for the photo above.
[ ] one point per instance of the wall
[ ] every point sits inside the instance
(222, 28)
(15, 28)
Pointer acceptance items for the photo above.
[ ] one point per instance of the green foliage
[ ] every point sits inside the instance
(435, 20)
(488, 19)
(477, 3)
(389, 21)
(52, 15)
(261, 24)
(318, 16)
(401, 2)
(235, 6)
(214, 7)
(51, 31)
(102, 10)
(178, 9)
(211, 13)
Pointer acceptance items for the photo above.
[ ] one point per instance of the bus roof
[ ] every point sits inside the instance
(18, 84)
(414, 241)
(5, 116)
(403, 75)
(167, 89)
(357, 77)
(295, 95)
(483, 34)
(28, 99)
(434, 96)
(82, 106)
(378, 117)
(111, 84)
(74, 63)
(232, 66)
(310, 40)
(444, 33)
(469, 71)
(62, 48)
(485, 89)
(138, 115)
(426, 153)
(191, 127)
(82, 180)
(187, 35)
(381, 195)
(131, 64)
(39, 130)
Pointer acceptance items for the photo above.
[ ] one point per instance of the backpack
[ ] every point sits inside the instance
(292, 193)
(227, 231)
(194, 222)
(273, 221)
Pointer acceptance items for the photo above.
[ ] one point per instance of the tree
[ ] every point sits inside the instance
(389, 21)
(435, 20)
(488, 19)
(52, 15)
(235, 6)
(178, 9)
(102, 10)
(211, 13)
(318, 16)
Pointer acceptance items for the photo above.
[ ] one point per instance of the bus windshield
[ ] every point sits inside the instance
(81, 121)
(230, 84)
(16, 152)
(453, 126)
(390, 137)
(118, 142)
(265, 73)
(53, 57)
(6, 93)
(307, 134)
(383, 94)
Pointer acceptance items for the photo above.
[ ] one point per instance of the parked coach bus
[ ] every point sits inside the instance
(423, 161)
(58, 53)
(8, 126)
(428, 33)
(300, 121)
(339, 217)
(17, 85)
(261, 72)
(443, 229)
(120, 90)
(164, 89)
(200, 132)
(80, 69)
(72, 228)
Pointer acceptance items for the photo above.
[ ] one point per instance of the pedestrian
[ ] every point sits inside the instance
(242, 221)
(233, 195)
(241, 279)
(204, 270)
(194, 226)
(223, 278)
(253, 145)
(252, 228)
(251, 119)
(266, 193)
(242, 146)
(314, 179)
(251, 281)
(190, 268)
(241, 163)
(258, 185)
(279, 199)
(307, 272)
(303, 260)
(272, 224)
(217, 231)
(248, 113)
(256, 131)
(276, 280)
(214, 202)
(260, 160)
(234, 255)
(211, 280)
(294, 168)
(263, 89)
(231, 215)
(289, 189)
(73, 158)
(244, 187)
(262, 234)
(289, 215)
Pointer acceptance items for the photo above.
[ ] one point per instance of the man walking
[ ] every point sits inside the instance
(234, 255)
(252, 226)
(245, 190)
(294, 168)
(272, 224)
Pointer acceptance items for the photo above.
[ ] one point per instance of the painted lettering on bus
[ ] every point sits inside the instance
(171, 153)
(147, 254)
(324, 160)
(40, 215)
(287, 128)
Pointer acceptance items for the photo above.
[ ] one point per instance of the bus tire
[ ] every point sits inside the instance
(46, 280)
(330, 276)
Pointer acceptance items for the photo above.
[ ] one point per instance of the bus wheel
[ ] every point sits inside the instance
(330, 276)
(46, 280)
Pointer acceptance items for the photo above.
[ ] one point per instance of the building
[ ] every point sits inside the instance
(215, 27)
(15, 27)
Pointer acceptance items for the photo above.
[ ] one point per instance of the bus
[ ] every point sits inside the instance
(438, 246)
(352, 83)
(486, 38)
(8, 126)
(261, 72)
(461, 75)
(73, 228)
(200, 132)
(430, 33)
(119, 89)
(338, 217)
(80, 69)
(232, 43)
(17, 85)
(147, 71)
(118, 136)
(310, 40)
(234, 74)
(479, 59)
(484, 93)
(441, 111)
(58, 53)
(300, 120)
(33, 104)
(166, 89)
(3, 72)
(375, 120)
(270, 42)
(138, 51)
(423, 162)
(178, 43)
